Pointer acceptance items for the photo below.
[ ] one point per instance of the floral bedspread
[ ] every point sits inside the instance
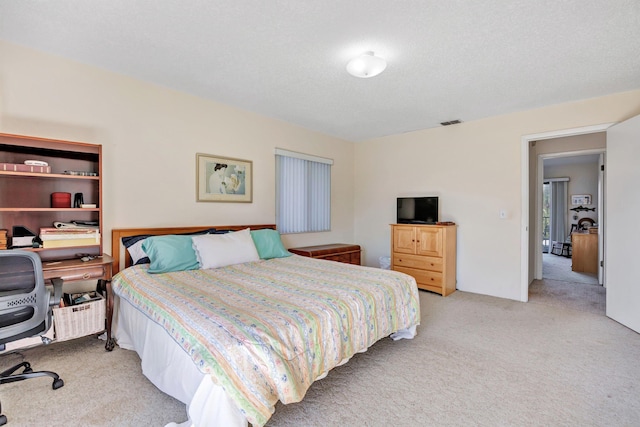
(266, 330)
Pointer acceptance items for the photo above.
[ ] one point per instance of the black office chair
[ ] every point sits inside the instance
(25, 309)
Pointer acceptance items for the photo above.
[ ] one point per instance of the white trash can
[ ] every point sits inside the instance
(385, 262)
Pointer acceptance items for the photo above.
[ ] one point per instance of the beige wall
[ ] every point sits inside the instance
(583, 179)
(150, 136)
(475, 169)
(591, 141)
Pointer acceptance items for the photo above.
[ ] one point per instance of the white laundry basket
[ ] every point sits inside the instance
(385, 262)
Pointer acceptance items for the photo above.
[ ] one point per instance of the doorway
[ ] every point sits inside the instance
(532, 177)
(570, 200)
(622, 178)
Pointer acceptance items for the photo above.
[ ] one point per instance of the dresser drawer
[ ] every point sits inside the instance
(352, 258)
(355, 258)
(418, 261)
(431, 278)
(72, 274)
(341, 252)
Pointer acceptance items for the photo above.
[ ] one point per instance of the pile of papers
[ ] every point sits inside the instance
(54, 237)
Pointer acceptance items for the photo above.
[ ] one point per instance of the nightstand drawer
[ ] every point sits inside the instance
(418, 261)
(346, 258)
(72, 274)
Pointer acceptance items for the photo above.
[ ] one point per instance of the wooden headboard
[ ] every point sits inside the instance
(118, 233)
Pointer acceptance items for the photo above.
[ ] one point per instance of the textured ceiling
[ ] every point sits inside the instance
(463, 59)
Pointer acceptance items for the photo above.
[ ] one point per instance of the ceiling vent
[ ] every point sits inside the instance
(451, 122)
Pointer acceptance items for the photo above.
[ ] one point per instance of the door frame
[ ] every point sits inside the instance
(525, 205)
(538, 206)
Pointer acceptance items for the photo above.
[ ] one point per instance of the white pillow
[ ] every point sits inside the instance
(136, 252)
(218, 250)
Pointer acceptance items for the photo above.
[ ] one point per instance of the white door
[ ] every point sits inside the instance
(601, 220)
(622, 208)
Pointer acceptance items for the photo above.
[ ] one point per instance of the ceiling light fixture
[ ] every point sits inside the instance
(366, 65)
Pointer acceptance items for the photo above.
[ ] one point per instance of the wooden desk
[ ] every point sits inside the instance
(341, 252)
(584, 252)
(100, 269)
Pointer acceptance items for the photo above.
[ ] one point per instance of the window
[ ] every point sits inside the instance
(303, 192)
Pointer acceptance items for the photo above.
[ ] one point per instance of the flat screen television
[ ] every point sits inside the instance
(417, 210)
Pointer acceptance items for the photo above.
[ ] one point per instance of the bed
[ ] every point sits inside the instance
(231, 340)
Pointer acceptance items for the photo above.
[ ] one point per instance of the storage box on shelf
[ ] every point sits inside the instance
(26, 196)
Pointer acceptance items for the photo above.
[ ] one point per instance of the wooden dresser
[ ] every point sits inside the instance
(584, 256)
(341, 252)
(426, 252)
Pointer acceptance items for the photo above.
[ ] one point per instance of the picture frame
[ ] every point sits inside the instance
(223, 179)
(581, 199)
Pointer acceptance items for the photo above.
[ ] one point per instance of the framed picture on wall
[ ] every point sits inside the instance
(223, 179)
(581, 199)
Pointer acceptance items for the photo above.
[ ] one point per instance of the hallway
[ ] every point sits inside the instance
(559, 268)
(561, 287)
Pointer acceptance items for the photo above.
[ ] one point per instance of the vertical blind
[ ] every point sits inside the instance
(558, 224)
(303, 192)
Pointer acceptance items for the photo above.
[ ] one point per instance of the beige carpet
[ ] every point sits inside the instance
(563, 288)
(557, 267)
(570, 295)
(477, 361)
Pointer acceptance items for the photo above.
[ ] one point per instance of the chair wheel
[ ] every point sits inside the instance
(57, 383)
(27, 370)
(3, 420)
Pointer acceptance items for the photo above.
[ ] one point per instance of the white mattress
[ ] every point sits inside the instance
(171, 369)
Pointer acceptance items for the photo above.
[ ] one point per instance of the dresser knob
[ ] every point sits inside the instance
(86, 276)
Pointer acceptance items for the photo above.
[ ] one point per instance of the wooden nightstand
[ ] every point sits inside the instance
(341, 252)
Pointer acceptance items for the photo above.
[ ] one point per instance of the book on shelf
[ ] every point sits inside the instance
(83, 231)
(64, 243)
(55, 237)
(76, 224)
(52, 233)
(18, 167)
(4, 240)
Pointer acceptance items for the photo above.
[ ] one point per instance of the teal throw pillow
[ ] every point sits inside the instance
(170, 253)
(269, 244)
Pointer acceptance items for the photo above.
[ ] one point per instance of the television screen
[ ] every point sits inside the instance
(417, 210)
